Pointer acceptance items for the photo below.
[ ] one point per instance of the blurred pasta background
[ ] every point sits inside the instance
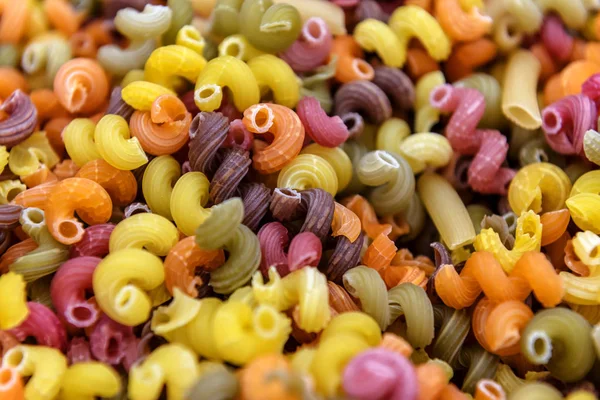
(299, 199)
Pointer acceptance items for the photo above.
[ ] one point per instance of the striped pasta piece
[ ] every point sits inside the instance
(81, 86)
(396, 85)
(164, 129)
(345, 223)
(483, 273)
(31, 154)
(94, 242)
(36, 196)
(256, 198)
(308, 171)
(287, 130)
(467, 57)
(21, 121)
(208, 131)
(14, 21)
(363, 97)
(118, 106)
(366, 213)
(120, 185)
(89, 199)
(335, 157)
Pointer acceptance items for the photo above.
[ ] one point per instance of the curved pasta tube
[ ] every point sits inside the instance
(591, 146)
(13, 303)
(120, 61)
(528, 237)
(81, 85)
(47, 256)
(346, 335)
(375, 36)
(238, 46)
(181, 264)
(223, 229)
(348, 63)
(221, 72)
(45, 54)
(461, 25)
(115, 144)
(146, 231)
(386, 306)
(169, 62)
(45, 366)
(170, 365)
(157, 185)
(269, 27)
(78, 137)
(573, 14)
(287, 130)
(394, 180)
(232, 331)
(306, 288)
(272, 73)
(426, 115)
(188, 198)
(584, 200)
(190, 37)
(241, 334)
(29, 155)
(140, 94)
(149, 23)
(121, 282)
(91, 202)
(337, 158)
(308, 171)
(426, 150)
(540, 187)
(88, 380)
(483, 273)
(10, 189)
(164, 129)
(412, 21)
(120, 185)
(561, 340)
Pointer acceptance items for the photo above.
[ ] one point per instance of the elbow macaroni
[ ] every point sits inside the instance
(115, 144)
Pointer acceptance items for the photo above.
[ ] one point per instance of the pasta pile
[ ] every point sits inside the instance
(299, 199)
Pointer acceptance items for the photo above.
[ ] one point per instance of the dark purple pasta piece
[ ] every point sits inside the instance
(208, 131)
(346, 255)
(22, 119)
(365, 98)
(256, 198)
(397, 85)
(441, 254)
(9, 216)
(284, 204)
(136, 208)
(318, 207)
(117, 106)
(370, 9)
(5, 240)
(230, 173)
